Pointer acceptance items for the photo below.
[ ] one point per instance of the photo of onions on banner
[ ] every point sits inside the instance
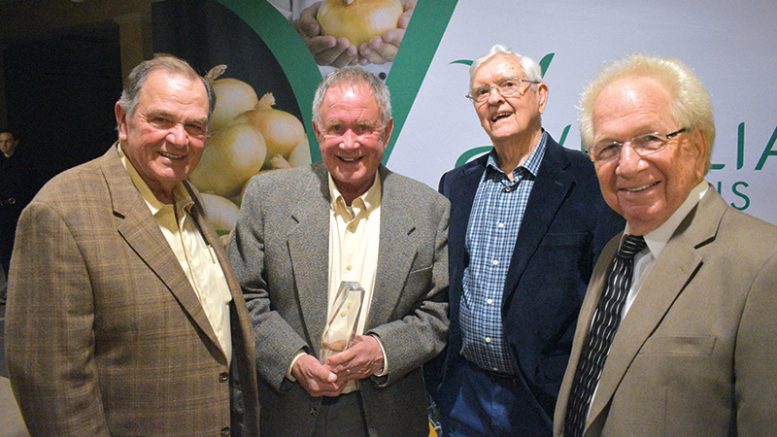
(247, 136)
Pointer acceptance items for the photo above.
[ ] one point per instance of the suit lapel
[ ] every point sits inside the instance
(550, 189)
(396, 250)
(592, 295)
(141, 232)
(309, 251)
(673, 270)
(461, 191)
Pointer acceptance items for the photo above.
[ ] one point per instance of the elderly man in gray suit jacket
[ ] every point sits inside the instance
(301, 232)
(677, 332)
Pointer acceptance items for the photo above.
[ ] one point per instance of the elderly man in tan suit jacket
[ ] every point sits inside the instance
(677, 332)
(123, 316)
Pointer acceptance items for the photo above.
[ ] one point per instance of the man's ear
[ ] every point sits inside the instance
(121, 121)
(542, 93)
(387, 132)
(700, 148)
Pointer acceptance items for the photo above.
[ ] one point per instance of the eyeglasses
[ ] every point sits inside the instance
(506, 88)
(645, 144)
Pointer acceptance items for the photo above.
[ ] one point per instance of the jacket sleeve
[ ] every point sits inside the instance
(49, 335)
(277, 343)
(755, 355)
(420, 335)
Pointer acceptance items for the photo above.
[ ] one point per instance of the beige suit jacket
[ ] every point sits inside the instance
(104, 334)
(696, 354)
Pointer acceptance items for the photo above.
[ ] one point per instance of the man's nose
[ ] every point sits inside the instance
(629, 161)
(349, 140)
(177, 135)
(494, 95)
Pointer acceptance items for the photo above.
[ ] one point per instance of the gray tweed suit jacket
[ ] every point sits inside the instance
(280, 255)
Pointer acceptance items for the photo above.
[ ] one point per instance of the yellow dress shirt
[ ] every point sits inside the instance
(195, 255)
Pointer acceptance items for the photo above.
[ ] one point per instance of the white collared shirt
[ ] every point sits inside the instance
(197, 259)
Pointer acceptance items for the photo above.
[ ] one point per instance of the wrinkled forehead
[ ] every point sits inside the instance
(630, 98)
(500, 66)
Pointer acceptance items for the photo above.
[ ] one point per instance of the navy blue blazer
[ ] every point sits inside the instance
(565, 226)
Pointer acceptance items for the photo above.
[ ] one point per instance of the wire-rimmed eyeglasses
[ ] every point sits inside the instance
(645, 144)
(506, 88)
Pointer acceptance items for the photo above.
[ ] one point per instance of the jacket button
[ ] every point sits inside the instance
(314, 412)
(223, 377)
(225, 431)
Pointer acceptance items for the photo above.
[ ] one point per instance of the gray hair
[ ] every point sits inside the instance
(530, 68)
(170, 64)
(691, 103)
(354, 76)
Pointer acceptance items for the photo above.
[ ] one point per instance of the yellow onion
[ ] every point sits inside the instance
(222, 213)
(233, 97)
(301, 154)
(232, 155)
(281, 130)
(359, 21)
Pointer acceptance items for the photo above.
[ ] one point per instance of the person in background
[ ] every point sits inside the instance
(527, 224)
(302, 232)
(677, 331)
(123, 315)
(19, 181)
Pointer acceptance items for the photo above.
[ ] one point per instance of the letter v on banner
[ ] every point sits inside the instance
(420, 42)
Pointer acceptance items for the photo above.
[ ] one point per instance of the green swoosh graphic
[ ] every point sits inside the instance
(421, 40)
(289, 50)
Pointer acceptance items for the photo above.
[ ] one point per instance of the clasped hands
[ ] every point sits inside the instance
(361, 360)
(339, 52)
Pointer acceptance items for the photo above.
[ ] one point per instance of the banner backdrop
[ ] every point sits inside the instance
(730, 46)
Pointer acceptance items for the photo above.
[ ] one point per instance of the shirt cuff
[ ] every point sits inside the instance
(289, 376)
(385, 370)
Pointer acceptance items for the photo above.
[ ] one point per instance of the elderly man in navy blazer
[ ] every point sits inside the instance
(527, 224)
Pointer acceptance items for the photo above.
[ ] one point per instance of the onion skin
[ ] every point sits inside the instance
(359, 21)
(221, 212)
(233, 97)
(232, 155)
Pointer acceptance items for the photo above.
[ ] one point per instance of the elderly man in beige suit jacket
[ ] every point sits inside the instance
(123, 316)
(680, 338)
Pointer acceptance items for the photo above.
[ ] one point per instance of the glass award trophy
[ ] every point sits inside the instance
(341, 327)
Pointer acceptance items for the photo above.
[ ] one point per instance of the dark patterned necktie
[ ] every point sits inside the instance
(606, 321)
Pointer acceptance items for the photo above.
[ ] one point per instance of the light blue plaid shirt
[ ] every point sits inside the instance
(496, 216)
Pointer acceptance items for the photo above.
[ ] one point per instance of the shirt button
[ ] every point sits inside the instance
(225, 431)
(488, 340)
(508, 189)
(348, 267)
(500, 225)
(495, 262)
(494, 369)
(490, 301)
(224, 377)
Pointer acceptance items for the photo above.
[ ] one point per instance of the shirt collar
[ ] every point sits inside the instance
(183, 201)
(366, 202)
(658, 238)
(532, 163)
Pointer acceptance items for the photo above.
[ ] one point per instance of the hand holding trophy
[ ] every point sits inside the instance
(341, 327)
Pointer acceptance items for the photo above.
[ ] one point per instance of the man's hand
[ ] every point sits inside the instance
(316, 379)
(361, 360)
(326, 50)
(384, 48)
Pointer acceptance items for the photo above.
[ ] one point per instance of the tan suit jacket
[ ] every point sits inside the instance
(697, 351)
(104, 333)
